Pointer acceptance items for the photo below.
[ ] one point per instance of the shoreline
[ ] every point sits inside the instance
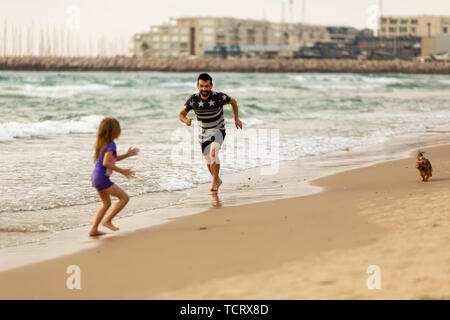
(275, 249)
(283, 186)
(220, 65)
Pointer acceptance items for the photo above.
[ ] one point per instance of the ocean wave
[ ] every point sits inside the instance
(54, 92)
(344, 87)
(11, 130)
(386, 80)
(121, 83)
(25, 228)
(178, 85)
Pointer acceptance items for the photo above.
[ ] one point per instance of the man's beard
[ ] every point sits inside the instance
(205, 93)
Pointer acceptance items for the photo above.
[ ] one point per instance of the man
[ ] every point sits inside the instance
(208, 107)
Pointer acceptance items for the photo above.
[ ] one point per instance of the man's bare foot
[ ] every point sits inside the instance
(109, 225)
(96, 233)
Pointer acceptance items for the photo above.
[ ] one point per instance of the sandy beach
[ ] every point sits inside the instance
(312, 247)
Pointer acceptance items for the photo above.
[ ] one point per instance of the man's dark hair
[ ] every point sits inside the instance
(204, 77)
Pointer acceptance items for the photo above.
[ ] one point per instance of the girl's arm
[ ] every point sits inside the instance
(131, 152)
(107, 162)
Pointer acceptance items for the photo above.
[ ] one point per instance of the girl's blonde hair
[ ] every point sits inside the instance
(108, 130)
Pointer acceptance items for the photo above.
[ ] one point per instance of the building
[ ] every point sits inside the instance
(436, 45)
(418, 26)
(225, 37)
(387, 48)
(342, 34)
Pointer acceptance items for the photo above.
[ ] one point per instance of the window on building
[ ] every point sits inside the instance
(183, 30)
(207, 30)
(220, 39)
(207, 38)
(393, 21)
(183, 45)
(413, 30)
(383, 29)
(165, 38)
(404, 21)
(392, 30)
(404, 30)
(206, 22)
(174, 38)
(414, 21)
(155, 38)
(165, 46)
(445, 29)
(184, 38)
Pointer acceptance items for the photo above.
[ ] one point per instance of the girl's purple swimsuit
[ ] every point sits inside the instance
(100, 175)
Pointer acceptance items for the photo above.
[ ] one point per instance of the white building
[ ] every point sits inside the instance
(200, 36)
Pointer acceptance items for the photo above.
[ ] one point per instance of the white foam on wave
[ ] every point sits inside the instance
(344, 87)
(265, 89)
(298, 78)
(179, 85)
(11, 130)
(385, 80)
(117, 82)
(63, 91)
(249, 122)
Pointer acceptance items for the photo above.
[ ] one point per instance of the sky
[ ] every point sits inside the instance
(123, 18)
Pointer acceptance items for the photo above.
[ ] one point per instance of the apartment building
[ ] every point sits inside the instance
(212, 36)
(419, 26)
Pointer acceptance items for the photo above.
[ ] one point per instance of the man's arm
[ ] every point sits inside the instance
(182, 116)
(237, 122)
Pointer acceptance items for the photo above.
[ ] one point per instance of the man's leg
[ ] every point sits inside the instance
(215, 166)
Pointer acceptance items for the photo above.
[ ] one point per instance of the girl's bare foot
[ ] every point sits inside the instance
(96, 233)
(215, 186)
(109, 225)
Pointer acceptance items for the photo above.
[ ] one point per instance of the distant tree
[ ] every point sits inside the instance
(144, 47)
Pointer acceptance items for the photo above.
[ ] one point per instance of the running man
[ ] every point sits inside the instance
(208, 107)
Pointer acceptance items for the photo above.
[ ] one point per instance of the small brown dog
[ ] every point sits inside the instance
(424, 166)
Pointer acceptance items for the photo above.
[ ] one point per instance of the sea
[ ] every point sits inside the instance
(48, 124)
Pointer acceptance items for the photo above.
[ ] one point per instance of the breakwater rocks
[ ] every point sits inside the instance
(220, 65)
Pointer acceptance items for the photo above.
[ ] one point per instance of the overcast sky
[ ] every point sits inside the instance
(130, 16)
(123, 18)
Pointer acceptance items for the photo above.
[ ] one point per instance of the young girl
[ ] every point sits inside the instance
(105, 157)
